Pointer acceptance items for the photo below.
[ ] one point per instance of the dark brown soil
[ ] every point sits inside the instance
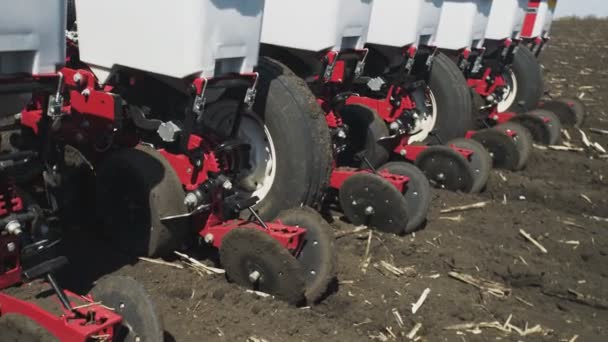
(485, 244)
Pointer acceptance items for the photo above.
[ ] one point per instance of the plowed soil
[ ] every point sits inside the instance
(559, 200)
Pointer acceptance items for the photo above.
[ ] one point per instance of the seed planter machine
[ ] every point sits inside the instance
(179, 147)
(418, 96)
(329, 57)
(33, 306)
(536, 34)
(485, 48)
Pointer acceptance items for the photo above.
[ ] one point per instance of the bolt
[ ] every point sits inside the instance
(209, 238)
(13, 227)
(122, 306)
(403, 152)
(490, 98)
(189, 170)
(495, 117)
(369, 210)
(227, 185)
(341, 134)
(354, 203)
(441, 176)
(415, 116)
(77, 78)
(11, 247)
(394, 126)
(191, 200)
(86, 93)
(254, 276)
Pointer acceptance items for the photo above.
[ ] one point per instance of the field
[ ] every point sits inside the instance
(559, 201)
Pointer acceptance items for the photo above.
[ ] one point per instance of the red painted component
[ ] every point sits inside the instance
(487, 84)
(500, 118)
(530, 19)
(385, 107)
(190, 175)
(97, 104)
(290, 237)
(409, 152)
(66, 327)
(10, 266)
(341, 174)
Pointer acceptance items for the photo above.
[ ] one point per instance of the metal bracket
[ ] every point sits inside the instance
(198, 107)
(478, 62)
(56, 101)
(252, 92)
(361, 64)
(329, 70)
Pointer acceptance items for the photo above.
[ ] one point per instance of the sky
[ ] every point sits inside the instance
(582, 8)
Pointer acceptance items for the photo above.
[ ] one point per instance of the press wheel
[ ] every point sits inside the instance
(417, 192)
(536, 126)
(571, 111)
(317, 257)
(502, 148)
(480, 161)
(553, 124)
(368, 199)
(253, 259)
(446, 169)
(140, 321)
(523, 141)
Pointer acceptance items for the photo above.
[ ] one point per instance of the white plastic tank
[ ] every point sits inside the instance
(400, 23)
(462, 24)
(506, 19)
(316, 25)
(32, 42)
(177, 39)
(539, 18)
(32, 36)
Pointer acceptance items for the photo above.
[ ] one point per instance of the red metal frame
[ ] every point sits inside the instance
(384, 107)
(67, 327)
(341, 174)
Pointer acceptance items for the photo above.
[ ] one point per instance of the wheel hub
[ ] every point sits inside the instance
(259, 178)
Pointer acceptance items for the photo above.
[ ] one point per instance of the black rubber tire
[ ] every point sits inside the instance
(536, 126)
(578, 107)
(417, 195)
(301, 139)
(145, 172)
(571, 111)
(459, 164)
(129, 299)
(365, 128)
(553, 124)
(523, 141)
(453, 98)
(284, 271)
(502, 148)
(318, 250)
(17, 328)
(530, 86)
(480, 161)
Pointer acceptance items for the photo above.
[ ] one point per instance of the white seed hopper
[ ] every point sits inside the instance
(316, 25)
(32, 41)
(32, 36)
(539, 18)
(400, 23)
(177, 39)
(506, 19)
(462, 24)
